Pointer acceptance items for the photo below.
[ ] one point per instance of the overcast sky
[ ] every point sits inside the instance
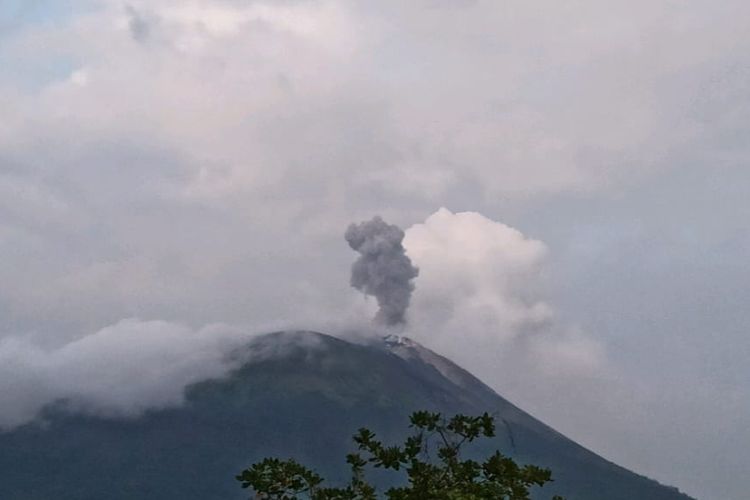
(572, 178)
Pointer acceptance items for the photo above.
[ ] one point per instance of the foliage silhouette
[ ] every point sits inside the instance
(445, 476)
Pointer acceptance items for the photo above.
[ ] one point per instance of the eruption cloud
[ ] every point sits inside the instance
(383, 269)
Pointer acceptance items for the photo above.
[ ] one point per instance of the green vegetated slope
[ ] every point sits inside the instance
(303, 395)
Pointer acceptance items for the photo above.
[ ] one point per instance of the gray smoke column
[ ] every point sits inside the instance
(383, 268)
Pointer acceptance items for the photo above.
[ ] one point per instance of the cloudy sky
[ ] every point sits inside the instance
(572, 178)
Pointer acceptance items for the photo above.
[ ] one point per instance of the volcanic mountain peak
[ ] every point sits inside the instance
(293, 394)
(407, 349)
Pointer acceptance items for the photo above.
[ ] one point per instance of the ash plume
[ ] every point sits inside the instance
(383, 269)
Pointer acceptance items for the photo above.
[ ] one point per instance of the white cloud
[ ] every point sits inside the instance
(479, 299)
(121, 370)
(542, 102)
(79, 77)
(477, 276)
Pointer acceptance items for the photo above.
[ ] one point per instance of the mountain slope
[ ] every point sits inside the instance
(303, 396)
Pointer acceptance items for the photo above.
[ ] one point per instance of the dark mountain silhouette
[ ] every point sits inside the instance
(303, 396)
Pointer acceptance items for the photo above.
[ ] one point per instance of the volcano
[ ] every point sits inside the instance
(302, 395)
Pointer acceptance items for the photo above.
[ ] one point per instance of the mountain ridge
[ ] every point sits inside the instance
(294, 394)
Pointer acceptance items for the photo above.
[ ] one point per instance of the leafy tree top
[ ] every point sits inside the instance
(446, 476)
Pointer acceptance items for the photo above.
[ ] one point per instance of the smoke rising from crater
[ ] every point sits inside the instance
(383, 269)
